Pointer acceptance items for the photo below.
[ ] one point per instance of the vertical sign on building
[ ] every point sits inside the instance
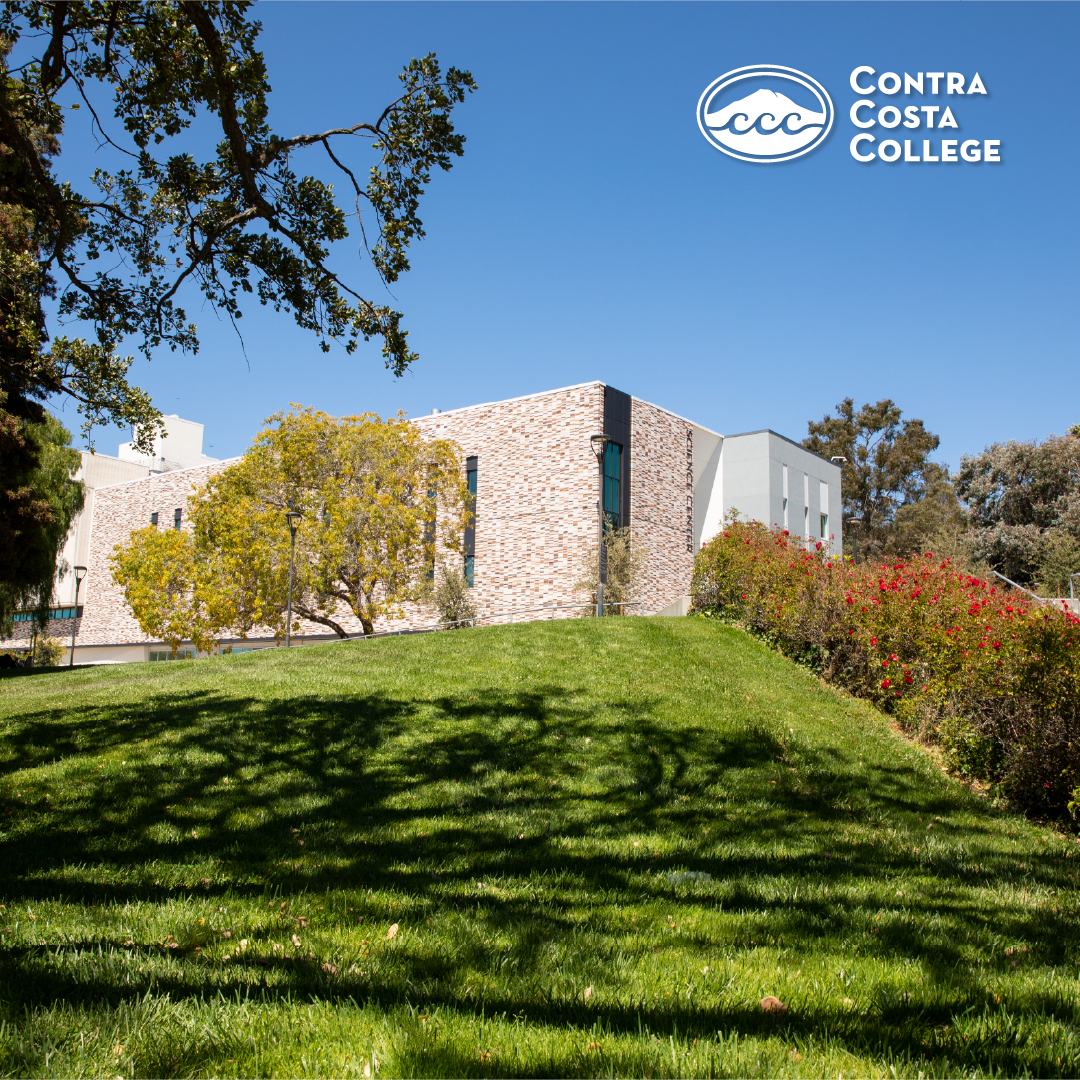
(690, 490)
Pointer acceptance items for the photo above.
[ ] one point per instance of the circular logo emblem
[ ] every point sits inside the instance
(765, 113)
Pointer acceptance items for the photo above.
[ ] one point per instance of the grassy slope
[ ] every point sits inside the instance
(200, 863)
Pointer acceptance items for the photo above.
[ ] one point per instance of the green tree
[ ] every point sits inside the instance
(886, 464)
(936, 522)
(376, 501)
(38, 500)
(161, 218)
(1059, 559)
(1021, 496)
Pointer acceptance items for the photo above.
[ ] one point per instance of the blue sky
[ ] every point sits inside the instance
(590, 231)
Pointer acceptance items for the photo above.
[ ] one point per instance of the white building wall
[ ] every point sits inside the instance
(752, 469)
(180, 447)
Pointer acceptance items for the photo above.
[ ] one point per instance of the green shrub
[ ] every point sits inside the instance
(994, 678)
(49, 652)
(452, 597)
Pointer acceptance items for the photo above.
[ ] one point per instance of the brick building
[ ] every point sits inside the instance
(537, 485)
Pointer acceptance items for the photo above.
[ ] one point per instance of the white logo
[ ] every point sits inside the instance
(747, 115)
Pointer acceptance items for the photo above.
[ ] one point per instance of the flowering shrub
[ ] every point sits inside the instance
(993, 676)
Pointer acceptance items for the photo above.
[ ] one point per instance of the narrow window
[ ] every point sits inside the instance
(470, 529)
(612, 478)
(429, 537)
(806, 506)
(153, 519)
(824, 526)
(785, 499)
(178, 513)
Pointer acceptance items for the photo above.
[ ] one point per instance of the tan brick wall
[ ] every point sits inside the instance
(658, 502)
(118, 511)
(537, 486)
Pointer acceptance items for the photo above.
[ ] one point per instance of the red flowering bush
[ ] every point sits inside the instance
(993, 676)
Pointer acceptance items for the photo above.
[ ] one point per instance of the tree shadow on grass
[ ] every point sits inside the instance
(242, 781)
(916, 1030)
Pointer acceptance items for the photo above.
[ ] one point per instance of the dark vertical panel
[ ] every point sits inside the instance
(617, 420)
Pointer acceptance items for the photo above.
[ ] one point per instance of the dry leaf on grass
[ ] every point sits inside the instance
(773, 1005)
(392, 932)
(588, 992)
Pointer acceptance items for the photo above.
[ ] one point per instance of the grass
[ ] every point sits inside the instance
(202, 866)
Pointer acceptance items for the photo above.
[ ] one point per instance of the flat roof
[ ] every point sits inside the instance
(769, 431)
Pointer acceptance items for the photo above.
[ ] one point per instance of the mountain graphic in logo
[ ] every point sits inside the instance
(763, 124)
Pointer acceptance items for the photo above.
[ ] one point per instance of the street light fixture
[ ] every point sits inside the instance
(292, 516)
(80, 573)
(599, 445)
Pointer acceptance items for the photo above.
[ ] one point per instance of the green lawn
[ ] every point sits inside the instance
(601, 843)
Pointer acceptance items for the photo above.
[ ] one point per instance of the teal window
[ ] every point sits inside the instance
(612, 482)
(54, 613)
(824, 526)
(471, 464)
(429, 535)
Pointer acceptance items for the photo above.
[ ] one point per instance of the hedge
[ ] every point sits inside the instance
(992, 676)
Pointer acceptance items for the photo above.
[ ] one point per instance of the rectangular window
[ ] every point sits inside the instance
(471, 470)
(786, 525)
(612, 479)
(54, 613)
(806, 506)
(178, 513)
(166, 654)
(153, 518)
(429, 536)
(824, 526)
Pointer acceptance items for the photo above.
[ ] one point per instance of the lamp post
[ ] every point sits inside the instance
(840, 461)
(292, 516)
(80, 573)
(599, 444)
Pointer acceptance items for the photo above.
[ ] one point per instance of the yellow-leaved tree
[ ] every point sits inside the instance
(158, 571)
(375, 501)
